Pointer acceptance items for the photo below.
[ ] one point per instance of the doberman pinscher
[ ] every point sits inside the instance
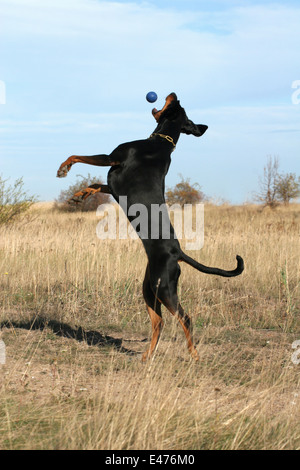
(138, 171)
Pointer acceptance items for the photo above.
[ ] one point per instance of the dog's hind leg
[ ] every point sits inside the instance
(185, 322)
(154, 311)
(167, 294)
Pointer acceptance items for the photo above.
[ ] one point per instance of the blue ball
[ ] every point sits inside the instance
(151, 96)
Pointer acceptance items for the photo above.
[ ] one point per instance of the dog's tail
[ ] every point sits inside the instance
(219, 272)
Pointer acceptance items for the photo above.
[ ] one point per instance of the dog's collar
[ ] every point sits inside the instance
(167, 137)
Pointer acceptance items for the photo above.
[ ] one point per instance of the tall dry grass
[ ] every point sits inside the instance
(74, 324)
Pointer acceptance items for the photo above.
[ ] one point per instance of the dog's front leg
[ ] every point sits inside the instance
(97, 160)
(81, 195)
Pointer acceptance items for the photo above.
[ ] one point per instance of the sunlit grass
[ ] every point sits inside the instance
(74, 323)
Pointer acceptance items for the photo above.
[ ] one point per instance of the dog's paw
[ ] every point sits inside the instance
(80, 196)
(63, 170)
(194, 354)
(76, 199)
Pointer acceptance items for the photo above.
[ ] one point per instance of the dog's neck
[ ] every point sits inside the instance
(170, 129)
(167, 137)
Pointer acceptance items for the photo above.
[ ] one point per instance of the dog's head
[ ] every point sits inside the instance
(172, 111)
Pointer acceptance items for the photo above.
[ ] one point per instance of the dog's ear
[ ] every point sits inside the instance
(188, 127)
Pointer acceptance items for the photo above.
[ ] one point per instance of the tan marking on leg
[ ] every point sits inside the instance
(157, 325)
(81, 195)
(181, 315)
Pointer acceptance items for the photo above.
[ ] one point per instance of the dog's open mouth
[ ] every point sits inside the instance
(156, 114)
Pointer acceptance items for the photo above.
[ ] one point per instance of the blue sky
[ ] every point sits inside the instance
(76, 73)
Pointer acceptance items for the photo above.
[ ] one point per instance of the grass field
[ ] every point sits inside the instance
(74, 323)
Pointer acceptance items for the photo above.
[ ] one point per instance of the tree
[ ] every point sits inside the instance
(14, 201)
(267, 184)
(275, 188)
(89, 204)
(184, 193)
(287, 187)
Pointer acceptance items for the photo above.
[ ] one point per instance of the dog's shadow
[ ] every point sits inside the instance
(92, 338)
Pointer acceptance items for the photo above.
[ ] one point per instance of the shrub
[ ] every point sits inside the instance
(275, 188)
(184, 193)
(287, 187)
(89, 204)
(14, 201)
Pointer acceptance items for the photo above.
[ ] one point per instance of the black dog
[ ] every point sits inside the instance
(138, 171)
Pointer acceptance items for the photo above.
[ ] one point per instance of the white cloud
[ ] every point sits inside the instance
(109, 49)
(87, 18)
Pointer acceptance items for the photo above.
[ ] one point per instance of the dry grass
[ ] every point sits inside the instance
(74, 324)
